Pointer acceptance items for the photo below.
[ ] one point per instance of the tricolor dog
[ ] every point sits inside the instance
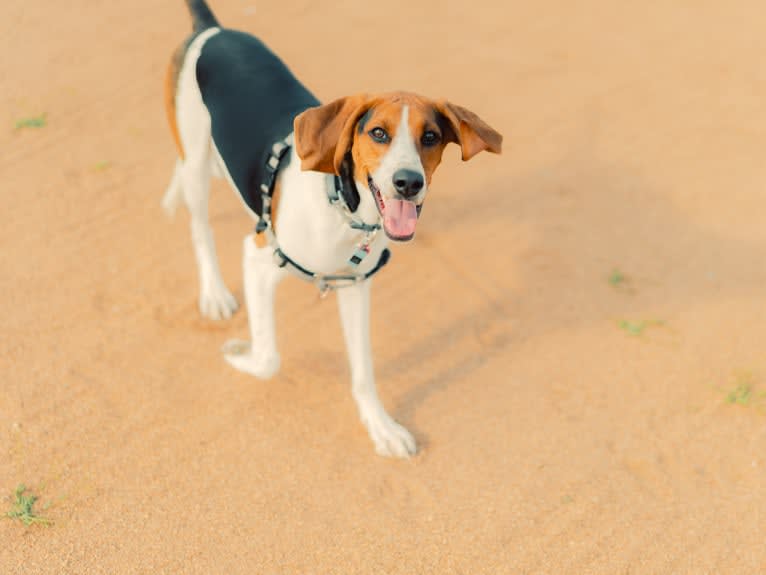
(327, 185)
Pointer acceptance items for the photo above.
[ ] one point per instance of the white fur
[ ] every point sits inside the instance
(259, 356)
(309, 230)
(389, 437)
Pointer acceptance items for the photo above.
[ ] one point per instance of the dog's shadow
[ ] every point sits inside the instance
(542, 247)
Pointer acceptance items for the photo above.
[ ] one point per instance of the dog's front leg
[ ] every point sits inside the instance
(259, 356)
(390, 438)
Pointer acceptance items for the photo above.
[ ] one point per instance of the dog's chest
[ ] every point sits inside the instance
(315, 233)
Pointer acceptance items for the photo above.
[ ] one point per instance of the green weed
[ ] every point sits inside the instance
(23, 505)
(742, 394)
(617, 278)
(743, 391)
(637, 328)
(31, 122)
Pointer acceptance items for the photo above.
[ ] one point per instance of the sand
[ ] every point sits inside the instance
(582, 357)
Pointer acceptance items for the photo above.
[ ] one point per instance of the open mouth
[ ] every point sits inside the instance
(399, 216)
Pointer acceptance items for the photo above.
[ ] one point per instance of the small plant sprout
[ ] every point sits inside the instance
(740, 394)
(23, 508)
(743, 391)
(637, 328)
(616, 278)
(31, 122)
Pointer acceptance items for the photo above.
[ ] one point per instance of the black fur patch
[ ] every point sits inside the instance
(349, 191)
(363, 121)
(448, 134)
(253, 99)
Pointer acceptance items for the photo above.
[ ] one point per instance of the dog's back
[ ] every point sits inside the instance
(253, 99)
(251, 95)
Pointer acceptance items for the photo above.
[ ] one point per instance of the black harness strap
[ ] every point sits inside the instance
(278, 153)
(330, 281)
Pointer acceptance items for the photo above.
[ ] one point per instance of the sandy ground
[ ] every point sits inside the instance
(555, 438)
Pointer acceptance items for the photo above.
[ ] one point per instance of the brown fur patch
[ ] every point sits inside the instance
(171, 88)
(470, 132)
(324, 134)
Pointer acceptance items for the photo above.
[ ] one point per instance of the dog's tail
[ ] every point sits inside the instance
(202, 16)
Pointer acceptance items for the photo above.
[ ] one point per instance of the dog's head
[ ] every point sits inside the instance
(395, 142)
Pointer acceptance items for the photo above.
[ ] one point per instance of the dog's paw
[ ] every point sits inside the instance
(390, 438)
(217, 303)
(240, 355)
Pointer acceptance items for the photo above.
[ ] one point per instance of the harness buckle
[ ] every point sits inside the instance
(359, 225)
(261, 226)
(334, 191)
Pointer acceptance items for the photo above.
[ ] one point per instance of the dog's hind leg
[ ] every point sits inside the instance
(174, 194)
(215, 300)
(390, 438)
(191, 126)
(259, 356)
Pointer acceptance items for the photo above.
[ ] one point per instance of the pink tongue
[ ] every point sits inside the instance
(400, 217)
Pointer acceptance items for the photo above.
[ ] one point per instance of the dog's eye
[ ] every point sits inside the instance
(430, 138)
(379, 135)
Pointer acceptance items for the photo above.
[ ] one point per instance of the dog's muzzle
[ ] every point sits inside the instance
(400, 216)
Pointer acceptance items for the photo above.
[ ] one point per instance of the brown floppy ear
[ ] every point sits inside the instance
(469, 131)
(324, 134)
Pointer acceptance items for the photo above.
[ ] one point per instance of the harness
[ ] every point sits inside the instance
(325, 282)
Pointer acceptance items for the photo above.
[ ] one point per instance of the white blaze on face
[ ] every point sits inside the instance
(401, 154)
(399, 215)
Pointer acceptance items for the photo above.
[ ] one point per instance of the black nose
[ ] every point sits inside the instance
(408, 182)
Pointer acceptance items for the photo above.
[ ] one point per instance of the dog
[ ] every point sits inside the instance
(327, 185)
